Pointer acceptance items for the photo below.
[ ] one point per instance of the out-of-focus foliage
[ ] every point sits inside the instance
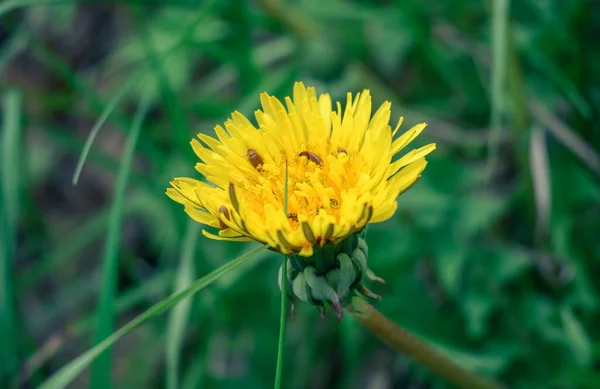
(493, 262)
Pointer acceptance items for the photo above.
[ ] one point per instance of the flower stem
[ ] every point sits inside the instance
(282, 321)
(415, 348)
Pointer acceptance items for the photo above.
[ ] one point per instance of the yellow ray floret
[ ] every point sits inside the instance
(340, 172)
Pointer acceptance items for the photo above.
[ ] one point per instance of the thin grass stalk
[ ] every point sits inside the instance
(62, 378)
(10, 136)
(498, 81)
(101, 369)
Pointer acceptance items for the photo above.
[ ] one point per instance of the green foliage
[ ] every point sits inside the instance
(65, 375)
(493, 262)
(101, 369)
(9, 206)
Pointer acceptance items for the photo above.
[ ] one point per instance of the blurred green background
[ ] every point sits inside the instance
(493, 255)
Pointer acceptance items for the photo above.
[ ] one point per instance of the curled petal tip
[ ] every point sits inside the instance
(367, 293)
(378, 279)
(321, 314)
(339, 310)
(374, 277)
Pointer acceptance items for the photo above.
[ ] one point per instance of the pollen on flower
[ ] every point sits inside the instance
(341, 172)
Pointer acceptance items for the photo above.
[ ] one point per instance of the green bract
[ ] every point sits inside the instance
(333, 274)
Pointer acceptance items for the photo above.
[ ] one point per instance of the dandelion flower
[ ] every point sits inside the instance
(341, 175)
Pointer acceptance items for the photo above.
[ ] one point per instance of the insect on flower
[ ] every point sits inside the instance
(341, 176)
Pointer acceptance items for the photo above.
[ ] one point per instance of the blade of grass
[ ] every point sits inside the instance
(558, 77)
(9, 205)
(566, 136)
(11, 134)
(101, 159)
(273, 51)
(140, 294)
(499, 75)
(100, 372)
(178, 317)
(282, 319)
(157, 65)
(144, 293)
(65, 375)
(87, 92)
(112, 104)
(540, 176)
(196, 373)
(517, 97)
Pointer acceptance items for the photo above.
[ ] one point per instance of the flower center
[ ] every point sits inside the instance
(316, 184)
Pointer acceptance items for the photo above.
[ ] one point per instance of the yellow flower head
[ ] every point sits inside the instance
(339, 168)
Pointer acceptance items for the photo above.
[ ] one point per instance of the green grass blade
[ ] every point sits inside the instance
(100, 374)
(541, 180)
(61, 136)
(10, 155)
(196, 373)
(140, 294)
(9, 204)
(112, 104)
(83, 88)
(565, 135)
(499, 75)
(282, 318)
(65, 375)
(557, 75)
(178, 317)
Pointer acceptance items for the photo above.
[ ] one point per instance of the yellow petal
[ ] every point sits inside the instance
(407, 137)
(325, 108)
(410, 157)
(217, 237)
(338, 166)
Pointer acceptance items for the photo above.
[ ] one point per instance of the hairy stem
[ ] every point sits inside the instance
(413, 347)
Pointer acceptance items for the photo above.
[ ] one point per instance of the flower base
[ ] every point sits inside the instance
(332, 275)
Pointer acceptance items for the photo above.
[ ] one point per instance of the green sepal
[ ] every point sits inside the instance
(300, 288)
(319, 288)
(332, 275)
